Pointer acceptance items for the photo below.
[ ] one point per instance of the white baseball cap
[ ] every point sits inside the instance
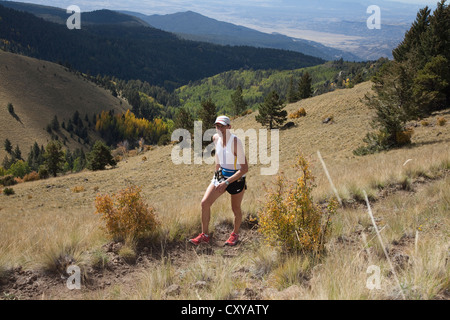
(223, 120)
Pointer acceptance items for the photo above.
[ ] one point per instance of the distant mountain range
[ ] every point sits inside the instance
(58, 15)
(327, 29)
(338, 24)
(194, 26)
(115, 44)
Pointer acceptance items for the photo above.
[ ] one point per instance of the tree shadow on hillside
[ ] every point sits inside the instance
(15, 116)
(426, 143)
(441, 112)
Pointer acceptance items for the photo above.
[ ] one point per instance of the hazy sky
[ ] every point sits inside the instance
(171, 6)
(263, 15)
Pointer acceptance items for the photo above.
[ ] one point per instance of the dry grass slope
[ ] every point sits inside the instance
(39, 90)
(46, 218)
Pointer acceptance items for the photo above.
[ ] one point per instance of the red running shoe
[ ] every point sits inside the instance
(201, 238)
(232, 240)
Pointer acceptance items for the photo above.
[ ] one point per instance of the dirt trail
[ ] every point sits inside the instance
(20, 284)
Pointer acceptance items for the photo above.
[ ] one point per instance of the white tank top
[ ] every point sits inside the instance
(227, 158)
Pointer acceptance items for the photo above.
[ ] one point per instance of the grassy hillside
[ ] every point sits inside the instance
(39, 90)
(46, 221)
(256, 84)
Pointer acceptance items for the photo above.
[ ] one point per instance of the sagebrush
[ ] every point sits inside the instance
(297, 114)
(290, 219)
(126, 215)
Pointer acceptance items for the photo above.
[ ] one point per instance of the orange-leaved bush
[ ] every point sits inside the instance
(404, 137)
(290, 219)
(441, 121)
(297, 114)
(126, 215)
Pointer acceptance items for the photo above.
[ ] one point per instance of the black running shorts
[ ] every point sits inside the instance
(237, 187)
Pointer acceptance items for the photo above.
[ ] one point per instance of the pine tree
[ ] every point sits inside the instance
(305, 86)
(292, 94)
(70, 126)
(80, 160)
(55, 123)
(8, 146)
(437, 43)
(76, 120)
(427, 39)
(7, 162)
(100, 156)
(208, 114)
(416, 83)
(431, 85)
(11, 109)
(271, 111)
(184, 120)
(68, 157)
(17, 154)
(393, 102)
(35, 158)
(437, 39)
(238, 103)
(411, 45)
(54, 157)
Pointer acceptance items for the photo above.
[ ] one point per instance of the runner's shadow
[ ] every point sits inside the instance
(204, 249)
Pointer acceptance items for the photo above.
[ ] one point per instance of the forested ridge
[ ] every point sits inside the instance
(134, 52)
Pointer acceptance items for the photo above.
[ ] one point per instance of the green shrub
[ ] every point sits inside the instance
(99, 259)
(19, 169)
(375, 142)
(8, 191)
(128, 254)
(7, 180)
(43, 172)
